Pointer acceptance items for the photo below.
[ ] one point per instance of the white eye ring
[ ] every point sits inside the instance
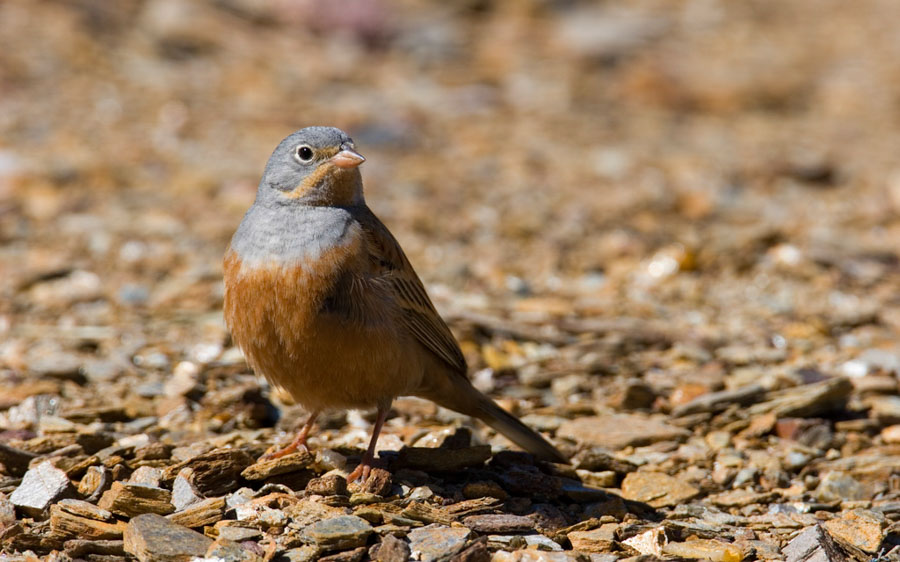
(304, 153)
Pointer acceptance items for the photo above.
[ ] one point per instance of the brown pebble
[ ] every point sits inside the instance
(328, 485)
(152, 538)
(134, 499)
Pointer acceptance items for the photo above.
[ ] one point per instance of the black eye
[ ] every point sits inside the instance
(304, 153)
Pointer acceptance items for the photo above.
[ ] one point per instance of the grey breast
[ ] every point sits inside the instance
(287, 234)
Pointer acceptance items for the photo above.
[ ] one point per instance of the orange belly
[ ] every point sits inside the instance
(323, 360)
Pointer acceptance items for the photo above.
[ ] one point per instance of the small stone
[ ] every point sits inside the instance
(813, 545)
(85, 509)
(484, 489)
(543, 423)
(338, 533)
(134, 499)
(15, 461)
(390, 529)
(657, 489)
(59, 365)
(860, 528)
(891, 434)
(188, 452)
(741, 498)
(649, 543)
(448, 438)
(528, 481)
(379, 482)
(443, 460)
(718, 440)
(746, 475)
(602, 32)
(476, 551)
(633, 395)
(472, 507)
(183, 381)
(354, 555)
(80, 548)
(364, 498)
(541, 556)
(885, 409)
(329, 459)
(425, 513)
(718, 401)
(597, 459)
(154, 451)
(237, 533)
(308, 511)
(151, 537)
(612, 507)
(7, 511)
(184, 493)
(146, 475)
(306, 553)
(224, 549)
(216, 472)
(55, 424)
(391, 549)
(204, 512)
(370, 513)
(618, 431)
(498, 523)
(806, 401)
(604, 479)
(420, 493)
(704, 549)
(102, 370)
(282, 465)
(328, 485)
(95, 481)
(41, 486)
(77, 286)
(65, 523)
(601, 539)
(839, 486)
(435, 542)
(540, 542)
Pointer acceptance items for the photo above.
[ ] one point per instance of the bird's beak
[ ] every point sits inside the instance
(347, 158)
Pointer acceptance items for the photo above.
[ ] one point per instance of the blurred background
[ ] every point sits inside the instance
(726, 172)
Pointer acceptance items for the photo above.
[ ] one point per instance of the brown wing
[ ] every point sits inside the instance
(390, 266)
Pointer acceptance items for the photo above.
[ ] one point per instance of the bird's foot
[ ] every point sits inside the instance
(361, 472)
(292, 448)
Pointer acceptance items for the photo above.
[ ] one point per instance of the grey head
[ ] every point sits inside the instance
(313, 166)
(305, 201)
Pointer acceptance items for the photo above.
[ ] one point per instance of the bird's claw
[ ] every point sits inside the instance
(361, 472)
(292, 448)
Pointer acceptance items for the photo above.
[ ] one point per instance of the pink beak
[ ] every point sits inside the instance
(347, 158)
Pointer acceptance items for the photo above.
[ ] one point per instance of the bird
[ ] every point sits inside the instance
(323, 302)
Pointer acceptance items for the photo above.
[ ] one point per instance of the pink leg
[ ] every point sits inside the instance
(299, 441)
(365, 465)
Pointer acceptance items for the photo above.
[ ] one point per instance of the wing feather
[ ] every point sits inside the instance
(391, 268)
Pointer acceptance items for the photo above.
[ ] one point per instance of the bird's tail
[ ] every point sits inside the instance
(466, 399)
(516, 431)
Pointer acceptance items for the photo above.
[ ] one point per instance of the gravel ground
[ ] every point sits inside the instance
(666, 234)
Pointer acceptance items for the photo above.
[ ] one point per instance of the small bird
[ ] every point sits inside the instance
(323, 302)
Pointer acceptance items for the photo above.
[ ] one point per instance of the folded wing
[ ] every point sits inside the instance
(391, 268)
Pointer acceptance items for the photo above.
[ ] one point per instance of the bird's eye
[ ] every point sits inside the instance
(304, 153)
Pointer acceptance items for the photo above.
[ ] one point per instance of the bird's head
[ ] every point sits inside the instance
(313, 166)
